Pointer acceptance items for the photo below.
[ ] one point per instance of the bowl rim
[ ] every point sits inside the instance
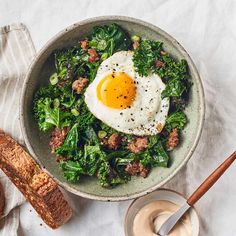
(171, 191)
(130, 20)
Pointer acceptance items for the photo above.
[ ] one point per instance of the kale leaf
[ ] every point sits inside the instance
(104, 174)
(176, 120)
(47, 92)
(146, 159)
(90, 136)
(70, 146)
(115, 155)
(71, 170)
(108, 177)
(145, 56)
(174, 88)
(160, 156)
(67, 98)
(153, 140)
(85, 118)
(176, 75)
(171, 68)
(85, 162)
(49, 116)
(155, 156)
(93, 156)
(71, 62)
(109, 39)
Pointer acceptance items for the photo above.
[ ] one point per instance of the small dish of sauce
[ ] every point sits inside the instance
(150, 218)
(146, 215)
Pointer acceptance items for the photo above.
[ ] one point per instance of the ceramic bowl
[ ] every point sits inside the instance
(161, 194)
(37, 142)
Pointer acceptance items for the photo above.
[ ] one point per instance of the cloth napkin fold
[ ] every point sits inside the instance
(16, 53)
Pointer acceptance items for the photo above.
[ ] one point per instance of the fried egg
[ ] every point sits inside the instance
(126, 101)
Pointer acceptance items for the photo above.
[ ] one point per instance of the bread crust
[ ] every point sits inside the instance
(37, 186)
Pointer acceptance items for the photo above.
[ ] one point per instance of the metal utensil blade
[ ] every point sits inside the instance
(172, 220)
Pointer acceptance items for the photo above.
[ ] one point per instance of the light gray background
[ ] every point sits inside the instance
(207, 30)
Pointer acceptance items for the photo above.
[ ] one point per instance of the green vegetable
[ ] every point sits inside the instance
(73, 63)
(47, 92)
(109, 39)
(70, 62)
(160, 156)
(67, 97)
(124, 161)
(90, 163)
(104, 56)
(53, 79)
(70, 145)
(86, 118)
(146, 159)
(176, 120)
(92, 70)
(49, 116)
(93, 156)
(155, 157)
(56, 103)
(91, 136)
(74, 112)
(102, 134)
(108, 177)
(153, 140)
(174, 88)
(104, 173)
(172, 69)
(117, 154)
(135, 38)
(145, 56)
(71, 170)
(85, 164)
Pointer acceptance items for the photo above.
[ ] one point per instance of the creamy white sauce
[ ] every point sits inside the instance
(150, 218)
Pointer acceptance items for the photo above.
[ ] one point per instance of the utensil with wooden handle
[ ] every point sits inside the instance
(202, 189)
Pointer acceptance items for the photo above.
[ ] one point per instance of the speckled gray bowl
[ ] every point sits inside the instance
(37, 142)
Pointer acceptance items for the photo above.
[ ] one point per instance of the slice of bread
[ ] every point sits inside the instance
(37, 186)
(2, 200)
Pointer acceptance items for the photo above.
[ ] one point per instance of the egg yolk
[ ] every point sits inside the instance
(116, 90)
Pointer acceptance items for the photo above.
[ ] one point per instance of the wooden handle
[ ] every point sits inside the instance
(210, 181)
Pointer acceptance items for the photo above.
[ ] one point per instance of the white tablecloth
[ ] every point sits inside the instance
(207, 29)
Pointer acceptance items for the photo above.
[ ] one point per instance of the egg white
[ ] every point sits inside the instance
(147, 112)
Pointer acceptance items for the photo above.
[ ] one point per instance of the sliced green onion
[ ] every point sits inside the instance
(93, 43)
(135, 38)
(101, 45)
(102, 134)
(104, 56)
(85, 57)
(56, 103)
(53, 79)
(75, 112)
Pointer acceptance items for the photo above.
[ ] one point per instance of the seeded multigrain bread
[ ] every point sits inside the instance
(37, 186)
(2, 200)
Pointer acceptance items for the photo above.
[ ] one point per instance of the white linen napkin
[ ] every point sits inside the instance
(16, 53)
